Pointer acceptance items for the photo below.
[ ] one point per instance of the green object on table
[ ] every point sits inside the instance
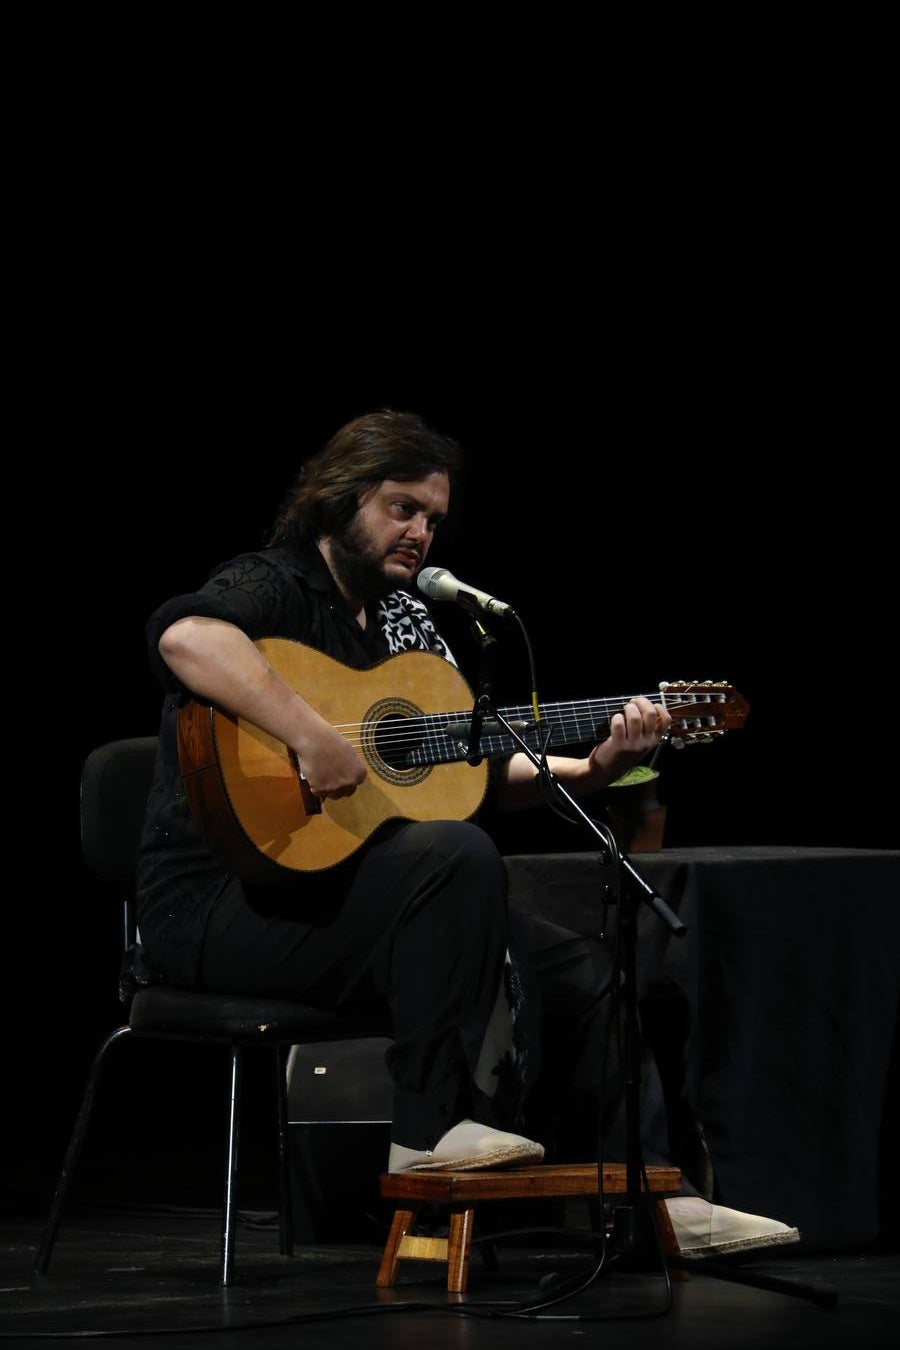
(641, 773)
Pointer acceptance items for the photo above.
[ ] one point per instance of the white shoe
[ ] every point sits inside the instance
(467, 1147)
(703, 1229)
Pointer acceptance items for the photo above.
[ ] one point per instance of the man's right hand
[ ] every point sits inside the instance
(328, 762)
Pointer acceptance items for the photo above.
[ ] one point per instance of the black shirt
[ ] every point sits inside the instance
(277, 592)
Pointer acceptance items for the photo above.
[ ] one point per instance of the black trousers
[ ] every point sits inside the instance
(416, 930)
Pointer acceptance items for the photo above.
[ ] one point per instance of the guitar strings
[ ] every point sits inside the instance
(410, 730)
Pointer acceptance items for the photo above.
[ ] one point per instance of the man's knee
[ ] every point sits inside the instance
(457, 853)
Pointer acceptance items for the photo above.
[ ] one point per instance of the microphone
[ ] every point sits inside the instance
(439, 584)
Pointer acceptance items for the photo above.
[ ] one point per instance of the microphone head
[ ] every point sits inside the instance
(437, 583)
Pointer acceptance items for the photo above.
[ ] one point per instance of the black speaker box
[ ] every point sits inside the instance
(339, 1120)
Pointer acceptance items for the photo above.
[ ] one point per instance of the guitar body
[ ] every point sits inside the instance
(245, 789)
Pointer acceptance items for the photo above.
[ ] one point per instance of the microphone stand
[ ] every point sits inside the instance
(633, 888)
(638, 1215)
(483, 690)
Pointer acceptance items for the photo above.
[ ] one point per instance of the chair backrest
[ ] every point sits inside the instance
(115, 784)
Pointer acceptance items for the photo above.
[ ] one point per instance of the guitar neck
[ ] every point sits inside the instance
(699, 711)
(448, 735)
(572, 723)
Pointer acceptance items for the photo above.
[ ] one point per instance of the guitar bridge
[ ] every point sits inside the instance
(312, 804)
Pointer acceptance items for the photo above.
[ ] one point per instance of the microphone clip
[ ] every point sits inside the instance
(482, 704)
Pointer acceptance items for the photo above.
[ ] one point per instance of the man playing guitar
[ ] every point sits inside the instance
(280, 856)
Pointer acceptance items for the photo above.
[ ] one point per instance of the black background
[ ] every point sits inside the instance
(667, 371)
(665, 527)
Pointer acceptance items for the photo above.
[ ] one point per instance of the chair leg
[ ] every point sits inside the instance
(48, 1239)
(285, 1208)
(234, 1126)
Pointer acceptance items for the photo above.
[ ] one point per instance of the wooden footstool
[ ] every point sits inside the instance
(462, 1191)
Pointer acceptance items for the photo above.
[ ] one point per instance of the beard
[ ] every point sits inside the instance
(360, 569)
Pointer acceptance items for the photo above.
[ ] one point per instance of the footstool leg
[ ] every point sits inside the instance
(667, 1232)
(459, 1252)
(387, 1272)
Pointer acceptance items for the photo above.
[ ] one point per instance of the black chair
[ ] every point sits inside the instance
(115, 783)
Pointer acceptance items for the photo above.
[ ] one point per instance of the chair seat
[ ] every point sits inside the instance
(163, 1010)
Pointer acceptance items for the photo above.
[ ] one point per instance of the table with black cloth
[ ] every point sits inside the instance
(790, 966)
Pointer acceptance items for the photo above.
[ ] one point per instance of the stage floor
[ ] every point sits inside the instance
(133, 1276)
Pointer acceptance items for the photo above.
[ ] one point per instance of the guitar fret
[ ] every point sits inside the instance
(436, 743)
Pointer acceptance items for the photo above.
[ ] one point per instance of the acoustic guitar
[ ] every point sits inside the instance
(410, 719)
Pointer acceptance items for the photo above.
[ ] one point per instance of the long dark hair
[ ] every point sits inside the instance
(326, 493)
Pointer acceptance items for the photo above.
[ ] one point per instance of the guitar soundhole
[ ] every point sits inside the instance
(389, 738)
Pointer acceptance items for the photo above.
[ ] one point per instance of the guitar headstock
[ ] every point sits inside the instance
(702, 710)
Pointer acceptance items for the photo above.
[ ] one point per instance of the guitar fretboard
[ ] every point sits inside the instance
(445, 736)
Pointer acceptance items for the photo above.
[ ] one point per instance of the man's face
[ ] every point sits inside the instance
(388, 539)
